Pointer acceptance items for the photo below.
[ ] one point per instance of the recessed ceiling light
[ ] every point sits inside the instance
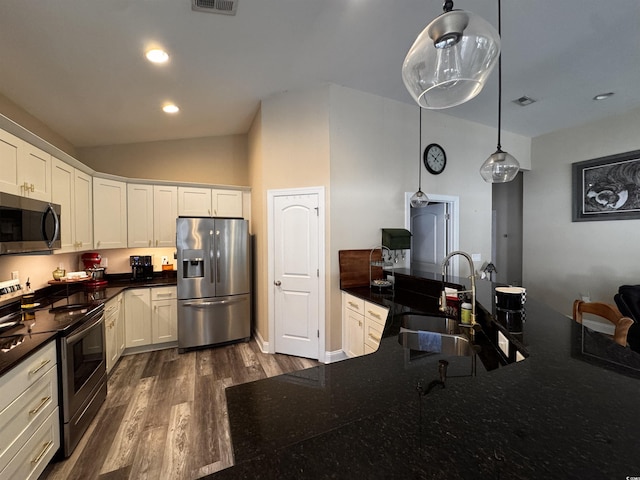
(157, 55)
(170, 108)
(603, 96)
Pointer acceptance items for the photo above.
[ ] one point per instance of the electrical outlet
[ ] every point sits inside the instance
(15, 275)
(104, 262)
(164, 260)
(476, 257)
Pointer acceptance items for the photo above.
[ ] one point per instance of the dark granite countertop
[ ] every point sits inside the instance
(16, 348)
(560, 413)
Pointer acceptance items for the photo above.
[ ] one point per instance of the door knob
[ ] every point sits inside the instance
(277, 283)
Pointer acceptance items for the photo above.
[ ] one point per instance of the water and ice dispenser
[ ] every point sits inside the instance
(193, 264)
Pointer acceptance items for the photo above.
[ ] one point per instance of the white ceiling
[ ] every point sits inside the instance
(78, 65)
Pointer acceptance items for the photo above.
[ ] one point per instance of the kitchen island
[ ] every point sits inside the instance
(559, 413)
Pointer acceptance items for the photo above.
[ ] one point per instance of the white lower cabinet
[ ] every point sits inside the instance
(114, 330)
(164, 315)
(363, 324)
(29, 419)
(137, 317)
(151, 316)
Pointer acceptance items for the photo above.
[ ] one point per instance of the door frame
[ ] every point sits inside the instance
(271, 195)
(453, 235)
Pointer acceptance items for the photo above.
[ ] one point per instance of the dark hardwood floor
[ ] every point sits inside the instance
(165, 416)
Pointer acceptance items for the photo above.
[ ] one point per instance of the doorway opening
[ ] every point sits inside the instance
(434, 231)
(506, 231)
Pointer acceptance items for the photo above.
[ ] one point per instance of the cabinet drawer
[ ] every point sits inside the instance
(19, 378)
(372, 334)
(163, 293)
(112, 307)
(27, 412)
(376, 313)
(34, 456)
(354, 303)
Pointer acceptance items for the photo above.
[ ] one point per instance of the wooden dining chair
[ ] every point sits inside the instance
(607, 311)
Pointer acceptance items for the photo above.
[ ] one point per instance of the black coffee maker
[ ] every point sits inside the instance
(141, 267)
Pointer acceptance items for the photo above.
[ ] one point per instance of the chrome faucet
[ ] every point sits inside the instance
(443, 295)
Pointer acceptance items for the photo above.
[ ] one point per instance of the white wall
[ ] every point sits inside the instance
(563, 258)
(374, 161)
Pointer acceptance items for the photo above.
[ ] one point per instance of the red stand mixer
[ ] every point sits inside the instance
(91, 261)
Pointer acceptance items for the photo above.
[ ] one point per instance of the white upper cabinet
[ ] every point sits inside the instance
(140, 215)
(83, 212)
(34, 173)
(62, 193)
(165, 212)
(152, 212)
(207, 202)
(194, 202)
(9, 154)
(109, 213)
(24, 169)
(71, 189)
(226, 203)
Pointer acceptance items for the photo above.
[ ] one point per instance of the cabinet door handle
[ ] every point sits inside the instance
(163, 294)
(373, 314)
(45, 447)
(373, 337)
(359, 323)
(39, 367)
(354, 305)
(43, 402)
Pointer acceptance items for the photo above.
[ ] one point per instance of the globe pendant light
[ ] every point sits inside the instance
(500, 167)
(419, 199)
(451, 59)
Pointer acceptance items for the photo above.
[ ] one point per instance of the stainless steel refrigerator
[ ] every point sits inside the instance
(214, 281)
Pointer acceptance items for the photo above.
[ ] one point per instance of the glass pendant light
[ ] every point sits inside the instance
(451, 59)
(419, 199)
(500, 167)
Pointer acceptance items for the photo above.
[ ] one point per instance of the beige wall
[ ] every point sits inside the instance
(215, 160)
(23, 118)
(563, 258)
(290, 149)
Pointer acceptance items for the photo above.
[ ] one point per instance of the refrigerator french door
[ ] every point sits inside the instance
(214, 281)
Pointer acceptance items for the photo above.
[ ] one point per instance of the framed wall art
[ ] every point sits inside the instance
(607, 188)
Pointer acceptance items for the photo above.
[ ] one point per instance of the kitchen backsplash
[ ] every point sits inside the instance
(39, 268)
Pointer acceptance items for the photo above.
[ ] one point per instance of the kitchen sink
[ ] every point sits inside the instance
(442, 335)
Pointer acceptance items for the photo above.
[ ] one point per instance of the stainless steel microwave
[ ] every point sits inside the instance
(28, 225)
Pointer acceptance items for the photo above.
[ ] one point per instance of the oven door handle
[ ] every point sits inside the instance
(84, 330)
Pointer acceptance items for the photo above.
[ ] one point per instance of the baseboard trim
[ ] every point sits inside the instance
(262, 344)
(335, 356)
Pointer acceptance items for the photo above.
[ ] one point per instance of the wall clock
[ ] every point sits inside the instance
(434, 158)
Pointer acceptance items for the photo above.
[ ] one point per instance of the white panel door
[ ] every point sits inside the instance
(429, 237)
(296, 274)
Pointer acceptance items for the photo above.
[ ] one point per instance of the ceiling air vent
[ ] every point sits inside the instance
(224, 7)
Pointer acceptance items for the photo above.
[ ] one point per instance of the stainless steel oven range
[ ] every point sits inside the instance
(83, 376)
(82, 373)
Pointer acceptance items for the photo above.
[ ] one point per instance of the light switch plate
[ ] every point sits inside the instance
(476, 257)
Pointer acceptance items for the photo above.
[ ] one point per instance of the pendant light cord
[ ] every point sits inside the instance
(499, 77)
(420, 151)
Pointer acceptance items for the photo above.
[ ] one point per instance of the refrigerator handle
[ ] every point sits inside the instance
(218, 256)
(211, 255)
